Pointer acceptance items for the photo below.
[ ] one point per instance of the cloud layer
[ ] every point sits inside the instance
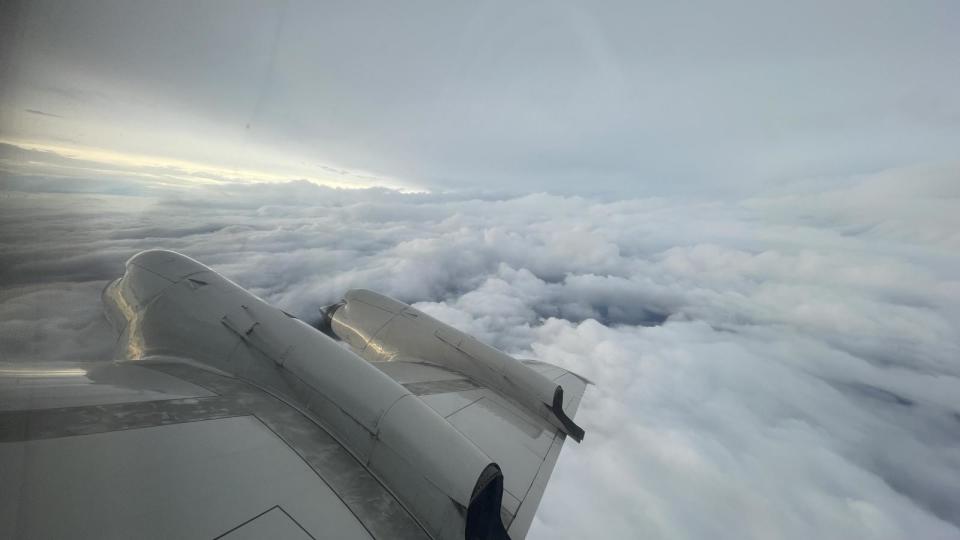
(775, 367)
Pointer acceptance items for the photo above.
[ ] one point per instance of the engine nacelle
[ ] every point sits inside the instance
(380, 328)
(172, 308)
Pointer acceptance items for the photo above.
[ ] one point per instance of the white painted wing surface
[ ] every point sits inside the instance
(162, 450)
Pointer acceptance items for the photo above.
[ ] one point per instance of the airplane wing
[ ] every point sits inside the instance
(224, 417)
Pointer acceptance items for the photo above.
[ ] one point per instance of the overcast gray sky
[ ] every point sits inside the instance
(632, 97)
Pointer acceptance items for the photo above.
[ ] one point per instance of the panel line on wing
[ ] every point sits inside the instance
(268, 510)
(243, 528)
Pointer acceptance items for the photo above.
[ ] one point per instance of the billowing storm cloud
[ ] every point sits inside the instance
(782, 366)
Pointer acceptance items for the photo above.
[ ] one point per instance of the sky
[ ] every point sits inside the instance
(741, 221)
(631, 98)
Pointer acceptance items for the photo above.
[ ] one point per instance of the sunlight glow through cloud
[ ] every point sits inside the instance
(170, 171)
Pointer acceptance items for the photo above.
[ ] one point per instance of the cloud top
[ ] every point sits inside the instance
(781, 366)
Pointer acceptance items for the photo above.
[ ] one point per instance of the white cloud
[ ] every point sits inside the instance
(781, 367)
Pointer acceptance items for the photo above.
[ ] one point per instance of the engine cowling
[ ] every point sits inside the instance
(380, 328)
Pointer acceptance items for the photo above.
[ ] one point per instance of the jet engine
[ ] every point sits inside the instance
(380, 328)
